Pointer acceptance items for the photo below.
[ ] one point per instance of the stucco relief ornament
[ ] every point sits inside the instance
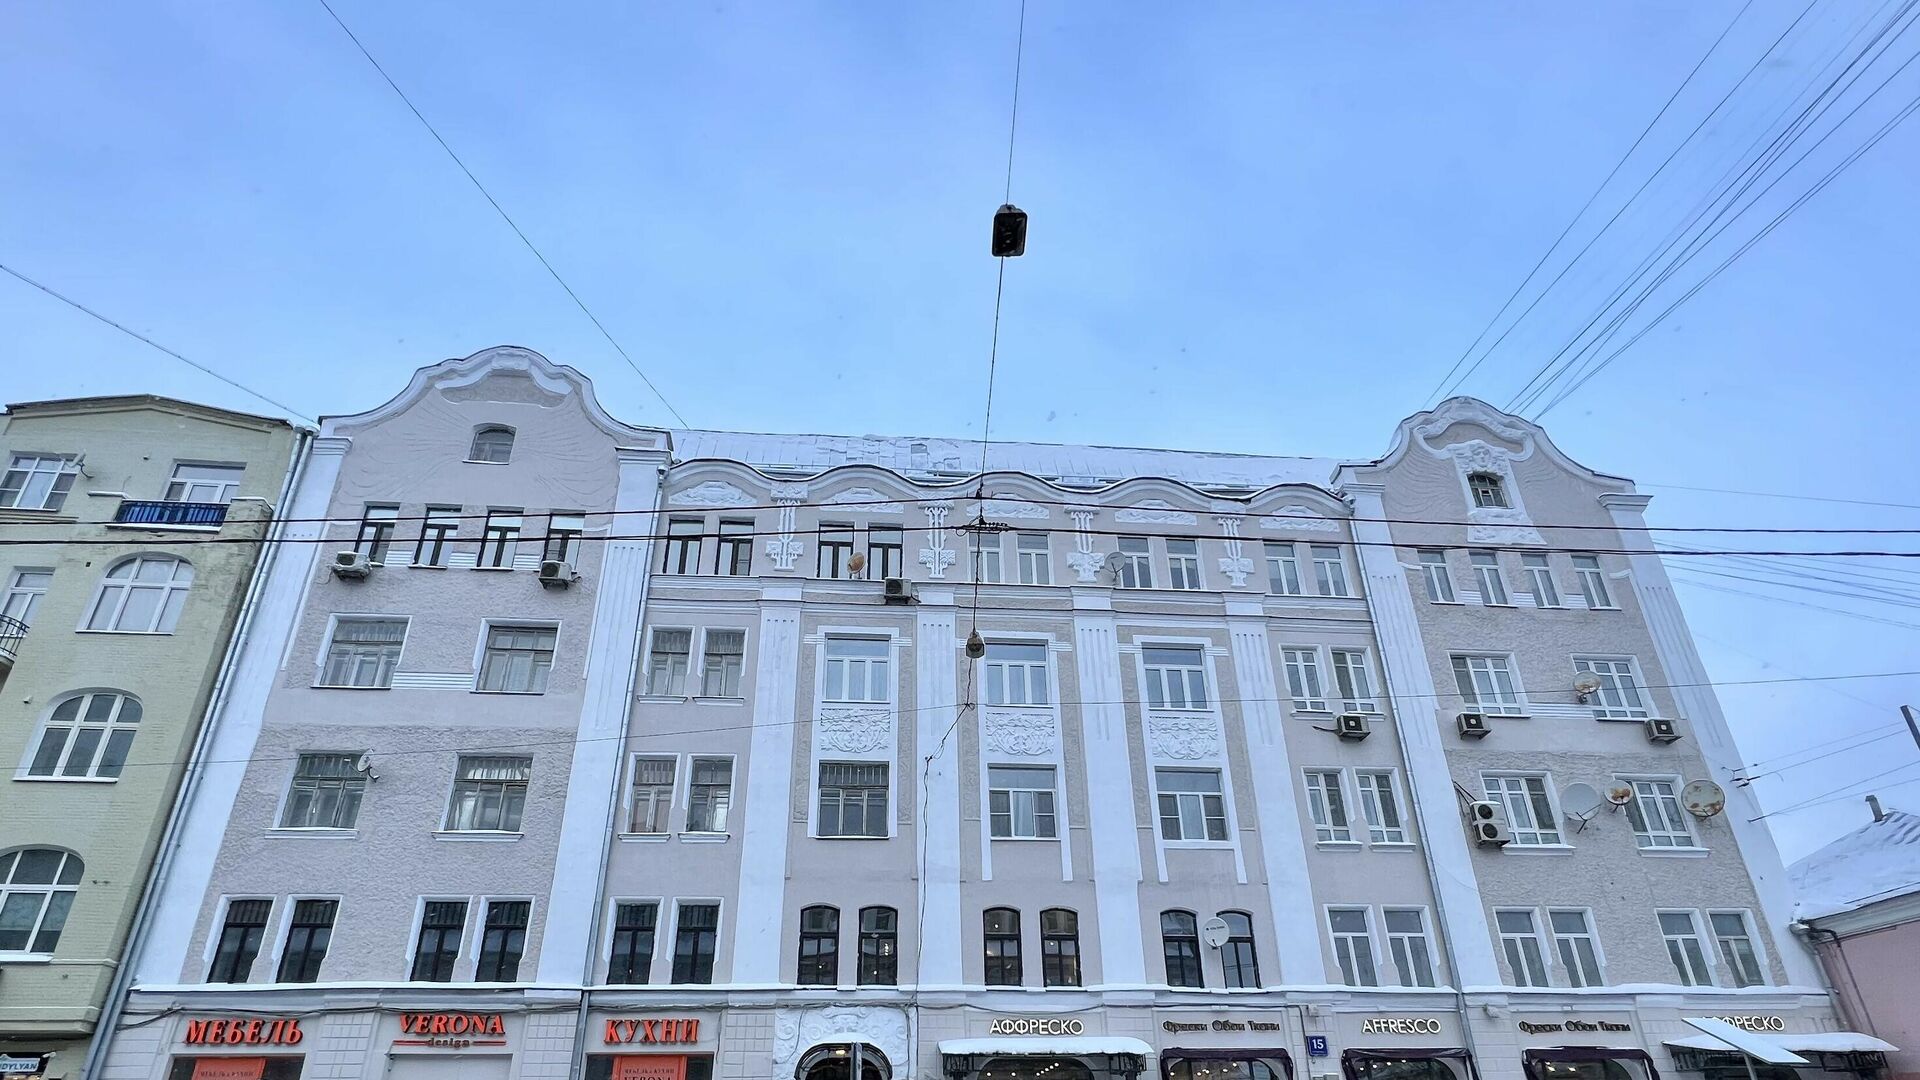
(1020, 734)
(784, 549)
(1299, 519)
(1183, 738)
(1234, 564)
(858, 730)
(795, 1031)
(1153, 512)
(937, 556)
(1085, 561)
(711, 493)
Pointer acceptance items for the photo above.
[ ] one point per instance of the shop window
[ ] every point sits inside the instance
(308, 935)
(633, 927)
(438, 944)
(1060, 947)
(879, 946)
(1375, 1066)
(250, 1068)
(1001, 928)
(1238, 959)
(695, 937)
(1037, 1068)
(502, 941)
(819, 946)
(1180, 945)
(834, 1061)
(1223, 1068)
(239, 942)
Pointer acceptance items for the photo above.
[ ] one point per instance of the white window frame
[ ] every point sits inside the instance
(1750, 927)
(665, 814)
(684, 790)
(1515, 955)
(223, 490)
(1350, 962)
(1329, 805)
(706, 633)
(1593, 581)
(1395, 938)
(1330, 571)
(73, 729)
(814, 825)
(487, 627)
(326, 648)
(1531, 833)
(453, 784)
(647, 671)
(477, 928)
(1616, 668)
(1354, 668)
(1570, 960)
(1179, 797)
(159, 624)
(1497, 496)
(1652, 838)
(1676, 941)
(1157, 677)
(1183, 567)
(1136, 567)
(1283, 559)
(473, 443)
(890, 678)
(66, 467)
(286, 796)
(21, 601)
(1486, 574)
(1305, 677)
(501, 530)
(1036, 562)
(1026, 670)
(1495, 664)
(989, 558)
(1437, 575)
(46, 892)
(1052, 791)
(1537, 568)
(1372, 785)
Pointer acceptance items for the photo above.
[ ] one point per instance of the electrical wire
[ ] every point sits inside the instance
(1693, 584)
(1844, 791)
(1782, 495)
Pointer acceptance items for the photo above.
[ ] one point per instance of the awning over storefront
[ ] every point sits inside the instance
(1226, 1053)
(1812, 1042)
(1542, 1054)
(1358, 1063)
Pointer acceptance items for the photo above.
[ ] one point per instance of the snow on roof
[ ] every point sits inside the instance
(961, 457)
(1877, 861)
(1072, 1046)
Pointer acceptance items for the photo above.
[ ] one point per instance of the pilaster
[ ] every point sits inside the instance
(769, 790)
(1113, 833)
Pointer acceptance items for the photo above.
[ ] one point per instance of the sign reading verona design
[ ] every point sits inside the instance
(278, 1031)
(653, 1031)
(454, 1030)
(1400, 1025)
(1036, 1025)
(1573, 1025)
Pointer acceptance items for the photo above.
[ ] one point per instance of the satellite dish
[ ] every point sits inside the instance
(1620, 795)
(1586, 686)
(1215, 932)
(1580, 801)
(856, 562)
(1703, 798)
(1114, 561)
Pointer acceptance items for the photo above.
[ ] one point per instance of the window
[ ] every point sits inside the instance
(363, 652)
(986, 558)
(1488, 489)
(437, 529)
(709, 794)
(563, 536)
(683, 546)
(1180, 944)
(1618, 696)
(735, 557)
(1540, 579)
(1176, 677)
(239, 941)
(489, 794)
(1486, 685)
(696, 933)
(722, 663)
(377, 523)
(1735, 940)
(1016, 673)
(1656, 816)
(1283, 570)
(885, 556)
(1352, 930)
(1238, 960)
(308, 935)
(1486, 570)
(499, 540)
(492, 444)
(502, 941)
(1433, 569)
(1381, 804)
(1682, 935)
(1593, 583)
(879, 946)
(517, 660)
(1354, 683)
(325, 793)
(438, 946)
(1036, 567)
(1520, 941)
(142, 594)
(819, 946)
(1573, 941)
(1191, 807)
(1001, 930)
(37, 887)
(204, 483)
(37, 482)
(1135, 563)
(652, 804)
(1303, 679)
(1330, 570)
(25, 588)
(1530, 816)
(633, 928)
(857, 670)
(836, 551)
(853, 799)
(1183, 564)
(667, 659)
(1327, 804)
(1060, 947)
(87, 735)
(1020, 802)
(1407, 944)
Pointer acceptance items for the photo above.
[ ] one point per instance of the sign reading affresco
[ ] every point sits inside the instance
(1573, 1025)
(454, 1030)
(653, 1031)
(1036, 1025)
(1400, 1025)
(1755, 1023)
(279, 1031)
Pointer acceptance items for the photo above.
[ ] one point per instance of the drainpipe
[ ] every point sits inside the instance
(157, 874)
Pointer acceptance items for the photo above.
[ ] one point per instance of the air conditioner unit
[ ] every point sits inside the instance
(1472, 725)
(556, 574)
(898, 591)
(352, 565)
(1661, 730)
(1488, 820)
(1353, 726)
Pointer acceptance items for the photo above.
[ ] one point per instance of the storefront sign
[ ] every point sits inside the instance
(1573, 1025)
(1036, 1025)
(16, 1065)
(653, 1031)
(454, 1030)
(1176, 1026)
(1755, 1023)
(230, 1068)
(649, 1067)
(1316, 1046)
(279, 1031)
(1400, 1025)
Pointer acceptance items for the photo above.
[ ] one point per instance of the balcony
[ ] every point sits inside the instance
(12, 632)
(136, 512)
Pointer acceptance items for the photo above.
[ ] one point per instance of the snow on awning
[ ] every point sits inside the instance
(1046, 1046)
(1813, 1042)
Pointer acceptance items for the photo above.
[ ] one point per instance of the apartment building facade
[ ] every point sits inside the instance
(589, 750)
(132, 529)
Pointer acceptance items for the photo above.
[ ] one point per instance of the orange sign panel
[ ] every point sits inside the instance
(230, 1068)
(649, 1067)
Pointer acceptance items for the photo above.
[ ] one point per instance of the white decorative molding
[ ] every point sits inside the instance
(527, 560)
(1518, 533)
(1184, 738)
(432, 680)
(1233, 564)
(1493, 524)
(1297, 518)
(853, 729)
(798, 1030)
(711, 493)
(937, 556)
(1084, 560)
(784, 549)
(1463, 409)
(1154, 512)
(1021, 734)
(462, 560)
(1015, 508)
(865, 500)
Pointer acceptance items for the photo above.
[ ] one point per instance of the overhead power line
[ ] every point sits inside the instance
(1783, 495)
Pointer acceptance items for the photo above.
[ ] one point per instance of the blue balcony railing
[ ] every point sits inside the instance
(12, 631)
(134, 512)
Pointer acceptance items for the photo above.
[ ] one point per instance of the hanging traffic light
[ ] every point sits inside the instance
(1009, 231)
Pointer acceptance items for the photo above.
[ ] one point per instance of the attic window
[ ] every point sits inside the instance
(492, 444)
(1488, 490)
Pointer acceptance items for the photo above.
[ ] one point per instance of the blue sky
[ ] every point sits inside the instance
(1256, 227)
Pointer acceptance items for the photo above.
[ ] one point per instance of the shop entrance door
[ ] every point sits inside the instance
(450, 1067)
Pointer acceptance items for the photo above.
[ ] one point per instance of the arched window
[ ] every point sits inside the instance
(1238, 957)
(37, 887)
(1060, 947)
(834, 1061)
(819, 946)
(492, 443)
(142, 594)
(1488, 489)
(879, 946)
(87, 734)
(1180, 943)
(1001, 929)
